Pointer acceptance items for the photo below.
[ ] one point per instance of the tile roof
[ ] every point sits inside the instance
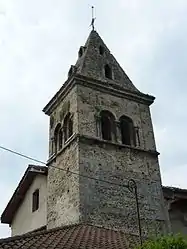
(74, 237)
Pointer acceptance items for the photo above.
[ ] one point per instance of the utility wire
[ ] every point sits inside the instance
(21, 155)
(67, 171)
(129, 185)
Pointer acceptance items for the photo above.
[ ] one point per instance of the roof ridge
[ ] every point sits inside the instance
(72, 236)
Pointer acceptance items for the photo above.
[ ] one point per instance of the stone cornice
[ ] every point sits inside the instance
(106, 87)
(93, 140)
(70, 140)
(115, 89)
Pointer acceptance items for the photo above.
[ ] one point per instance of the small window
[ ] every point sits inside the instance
(35, 200)
(101, 50)
(108, 72)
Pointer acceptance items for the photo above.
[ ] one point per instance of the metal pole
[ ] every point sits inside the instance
(133, 188)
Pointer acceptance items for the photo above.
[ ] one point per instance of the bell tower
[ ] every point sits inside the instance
(100, 126)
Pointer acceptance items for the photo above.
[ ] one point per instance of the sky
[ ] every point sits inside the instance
(40, 39)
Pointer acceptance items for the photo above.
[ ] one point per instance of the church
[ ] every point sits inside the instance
(101, 186)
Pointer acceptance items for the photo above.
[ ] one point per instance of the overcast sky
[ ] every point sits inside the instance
(39, 40)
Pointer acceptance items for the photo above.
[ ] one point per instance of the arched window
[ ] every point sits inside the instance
(108, 129)
(68, 127)
(58, 137)
(127, 131)
(101, 50)
(108, 72)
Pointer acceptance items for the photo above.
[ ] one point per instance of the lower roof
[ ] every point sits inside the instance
(80, 236)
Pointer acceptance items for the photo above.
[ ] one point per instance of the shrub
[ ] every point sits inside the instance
(166, 242)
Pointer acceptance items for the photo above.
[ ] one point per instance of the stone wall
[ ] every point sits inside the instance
(115, 206)
(109, 205)
(178, 219)
(176, 204)
(63, 188)
(73, 199)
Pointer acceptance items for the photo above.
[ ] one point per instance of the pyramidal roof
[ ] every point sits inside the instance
(94, 57)
(95, 62)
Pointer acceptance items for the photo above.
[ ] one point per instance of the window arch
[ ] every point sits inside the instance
(108, 129)
(127, 131)
(108, 71)
(68, 127)
(58, 137)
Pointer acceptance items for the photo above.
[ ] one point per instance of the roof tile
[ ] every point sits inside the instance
(72, 237)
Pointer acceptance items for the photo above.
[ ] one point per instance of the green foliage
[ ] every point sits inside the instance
(166, 242)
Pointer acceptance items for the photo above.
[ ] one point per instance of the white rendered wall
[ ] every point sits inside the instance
(25, 220)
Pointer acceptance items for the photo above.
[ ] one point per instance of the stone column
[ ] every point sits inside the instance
(118, 132)
(98, 126)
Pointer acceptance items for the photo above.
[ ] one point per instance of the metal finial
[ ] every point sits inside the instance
(93, 18)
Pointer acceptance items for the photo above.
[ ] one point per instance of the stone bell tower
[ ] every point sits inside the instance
(100, 126)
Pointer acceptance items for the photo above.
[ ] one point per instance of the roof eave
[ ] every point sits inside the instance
(68, 85)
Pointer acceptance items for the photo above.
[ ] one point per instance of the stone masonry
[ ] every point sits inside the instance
(106, 204)
(75, 199)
